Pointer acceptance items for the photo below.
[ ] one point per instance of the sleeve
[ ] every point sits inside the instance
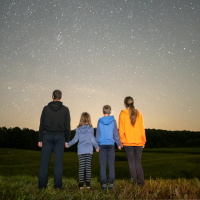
(94, 143)
(75, 139)
(143, 131)
(116, 134)
(67, 126)
(97, 133)
(41, 127)
(121, 128)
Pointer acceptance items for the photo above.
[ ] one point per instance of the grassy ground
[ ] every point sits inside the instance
(157, 163)
(25, 187)
(169, 174)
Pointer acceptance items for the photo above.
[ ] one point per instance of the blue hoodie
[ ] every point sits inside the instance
(85, 135)
(107, 132)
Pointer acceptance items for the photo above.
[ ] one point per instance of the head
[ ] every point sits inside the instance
(129, 103)
(57, 95)
(85, 119)
(106, 110)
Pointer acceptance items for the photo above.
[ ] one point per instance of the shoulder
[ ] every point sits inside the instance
(45, 107)
(139, 114)
(91, 129)
(122, 113)
(77, 129)
(65, 108)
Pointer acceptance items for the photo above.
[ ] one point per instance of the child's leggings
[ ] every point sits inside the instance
(85, 165)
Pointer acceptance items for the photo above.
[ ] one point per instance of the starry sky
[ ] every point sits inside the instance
(98, 52)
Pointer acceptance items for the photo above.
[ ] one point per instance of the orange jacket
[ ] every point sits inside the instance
(131, 135)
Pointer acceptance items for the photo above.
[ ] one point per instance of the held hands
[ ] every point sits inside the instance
(97, 150)
(66, 145)
(39, 144)
(120, 147)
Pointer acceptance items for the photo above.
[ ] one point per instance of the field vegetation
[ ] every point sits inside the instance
(169, 173)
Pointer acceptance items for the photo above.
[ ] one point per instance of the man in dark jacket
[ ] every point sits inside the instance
(54, 131)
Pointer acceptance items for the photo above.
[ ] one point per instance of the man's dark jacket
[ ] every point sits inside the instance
(55, 118)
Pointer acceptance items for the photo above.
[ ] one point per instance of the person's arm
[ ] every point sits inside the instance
(74, 140)
(116, 135)
(143, 132)
(67, 126)
(97, 133)
(94, 143)
(41, 129)
(121, 128)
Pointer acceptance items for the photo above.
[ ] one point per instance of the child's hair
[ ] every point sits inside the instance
(106, 109)
(57, 94)
(129, 102)
(85, 119)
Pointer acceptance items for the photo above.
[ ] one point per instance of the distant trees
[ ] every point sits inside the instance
(28, 139)
(164, 139)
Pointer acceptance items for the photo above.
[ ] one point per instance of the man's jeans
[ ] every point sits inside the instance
(107, 152)
(133, 154)
(52, 141)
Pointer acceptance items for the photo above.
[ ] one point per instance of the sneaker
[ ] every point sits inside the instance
(110, 186)
(81, 185)
(103, 186)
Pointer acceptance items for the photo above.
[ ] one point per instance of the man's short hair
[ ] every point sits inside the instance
(106, 109)
(57, 94)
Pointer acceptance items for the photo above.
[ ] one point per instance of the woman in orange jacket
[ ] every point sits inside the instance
(133, 138)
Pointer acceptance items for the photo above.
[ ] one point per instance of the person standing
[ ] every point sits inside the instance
(106, 136)
(54, 131)
(133, 138)
(86, 141)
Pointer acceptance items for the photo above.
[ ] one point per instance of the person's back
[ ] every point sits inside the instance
(106, 125)
(54, 131)
(55, 118)
(131, 135)
(85, 136)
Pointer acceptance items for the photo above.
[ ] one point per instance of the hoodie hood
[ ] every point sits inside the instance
(55, 105)
(106, 120)
(85, 129)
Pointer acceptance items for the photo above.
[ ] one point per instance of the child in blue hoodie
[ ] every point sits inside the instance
(85, 136)
(106, 136)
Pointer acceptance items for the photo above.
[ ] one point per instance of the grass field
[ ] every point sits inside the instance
(157, 163)
(169, 173)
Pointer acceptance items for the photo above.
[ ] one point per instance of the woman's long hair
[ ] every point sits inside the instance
(129, 102)
(85, 119)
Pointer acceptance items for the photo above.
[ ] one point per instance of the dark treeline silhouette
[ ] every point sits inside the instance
(28, 139)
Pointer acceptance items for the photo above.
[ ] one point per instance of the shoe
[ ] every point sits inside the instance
(103, 186)
(81, 185)
(110, 186)
(88, 185)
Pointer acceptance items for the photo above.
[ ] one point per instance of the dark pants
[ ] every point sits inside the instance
(52, 141)
(107, 152)
(133, 154)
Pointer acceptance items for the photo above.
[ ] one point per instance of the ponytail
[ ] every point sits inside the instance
(129, 102)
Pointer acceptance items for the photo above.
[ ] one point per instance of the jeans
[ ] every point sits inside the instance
(133, 154)
(107, 152)
(52, 141)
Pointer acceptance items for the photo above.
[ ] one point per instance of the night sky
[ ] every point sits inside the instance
(98, 52)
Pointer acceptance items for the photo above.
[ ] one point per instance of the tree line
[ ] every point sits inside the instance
(28, 139)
